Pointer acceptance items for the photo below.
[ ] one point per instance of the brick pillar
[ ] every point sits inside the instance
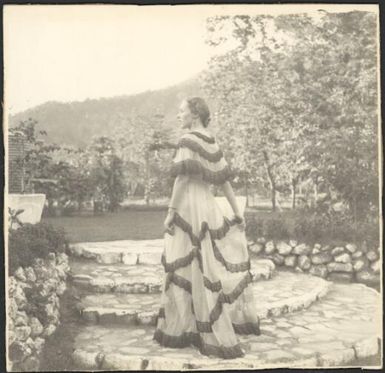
(16, 144)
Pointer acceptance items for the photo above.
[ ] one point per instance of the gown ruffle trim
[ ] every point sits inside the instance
(209, 140)
(198, 148)
(189, 338)
(223, 298)
(194, 168)
(215, 234)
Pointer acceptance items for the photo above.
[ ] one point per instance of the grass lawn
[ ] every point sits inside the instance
(121, 225)
(129, 224)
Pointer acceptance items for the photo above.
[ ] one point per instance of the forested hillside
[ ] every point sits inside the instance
(74, 123)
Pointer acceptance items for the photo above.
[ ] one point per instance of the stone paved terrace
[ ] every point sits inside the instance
(140, 278)
(127, 251)
(331, 332)
(305, 320)
(286, 292)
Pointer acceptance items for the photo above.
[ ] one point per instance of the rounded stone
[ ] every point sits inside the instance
(340, 267)
(376, 266)
(351, 247)
(61, 288)
(18, 351)
(367, 277)
(39, 344)
(270, 247)
(372, 255)
(338, 250)
(109, 257)
(304, 262)
(283, 248)
(146, 318)
(343, 258)
(366, 347)
(130, 258)
(116, 361)
(21, 319)
(302, 249)
(293, 243)
(261, 240)
(357, 254)
(19, 274)
(319, 270)
(84, 359)
(291, 261)
(278, 259)
(336, 357)
(325, 248)
(49, 330)
(256, 248)
(36, 326)
(360, 264)
(22, 332)
(340, 276)
(30, 364)
(322, 258)
(30, 274)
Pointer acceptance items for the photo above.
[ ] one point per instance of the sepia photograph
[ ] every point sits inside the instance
(192, 187)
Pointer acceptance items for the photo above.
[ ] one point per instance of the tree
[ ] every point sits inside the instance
(107, 171)
(144, 144)
(298, 94)
(36, 160)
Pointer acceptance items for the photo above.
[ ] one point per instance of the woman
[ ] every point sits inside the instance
(205, 298)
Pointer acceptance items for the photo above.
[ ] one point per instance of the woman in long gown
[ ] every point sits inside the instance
(206, 298)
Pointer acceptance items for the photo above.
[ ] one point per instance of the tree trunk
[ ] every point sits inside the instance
(315, 189)
(293, 195)
(247, 193)
(147, 183)
(271, 179)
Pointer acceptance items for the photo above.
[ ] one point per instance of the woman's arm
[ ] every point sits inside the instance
(229, 193)
(178, 190)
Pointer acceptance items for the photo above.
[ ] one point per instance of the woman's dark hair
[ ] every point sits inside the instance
(199, 107)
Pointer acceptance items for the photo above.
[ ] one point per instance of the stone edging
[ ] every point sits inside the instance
(347, 263)
(33, 309)
(114, 361)
(107, 315)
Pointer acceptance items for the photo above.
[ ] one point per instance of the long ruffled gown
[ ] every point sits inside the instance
(206, 298)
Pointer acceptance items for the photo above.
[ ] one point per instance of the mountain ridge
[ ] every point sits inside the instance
(71, 123)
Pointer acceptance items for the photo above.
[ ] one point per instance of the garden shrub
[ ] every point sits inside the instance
(333, 228)
(314, 226)
(34, 241)
(270, 228)
(276, 228)
(254, 226)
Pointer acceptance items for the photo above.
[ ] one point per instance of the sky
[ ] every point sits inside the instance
(75, 52)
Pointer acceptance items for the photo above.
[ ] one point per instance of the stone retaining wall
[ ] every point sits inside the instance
(33, 309)
(348, 262)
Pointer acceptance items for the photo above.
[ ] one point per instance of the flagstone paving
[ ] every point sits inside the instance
(344, 325)
(140, 278)
(286, 292)
(126, 251)
(306, 321)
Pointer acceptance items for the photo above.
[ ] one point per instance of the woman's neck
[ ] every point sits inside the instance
(197, 126)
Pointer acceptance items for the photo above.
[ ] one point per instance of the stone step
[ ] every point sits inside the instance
(344, 325)
(129, 252)
(286, 292)
(121, 278)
